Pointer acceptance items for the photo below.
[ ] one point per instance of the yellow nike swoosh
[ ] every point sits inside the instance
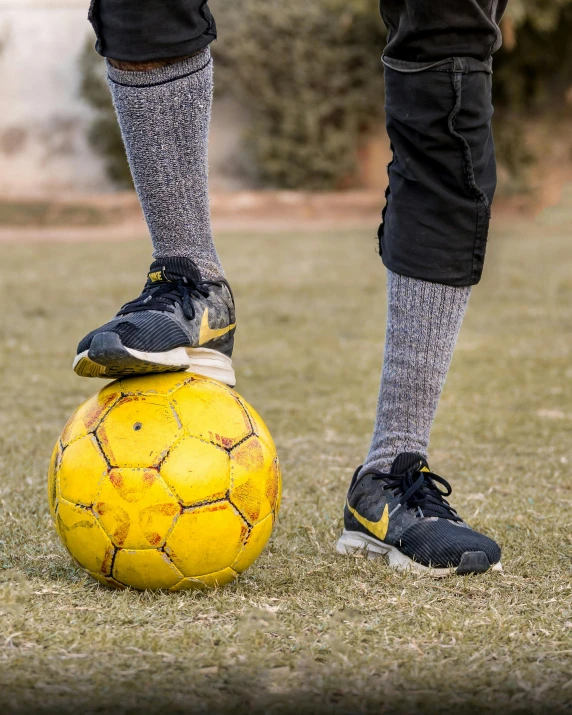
(207, 334)
(377, 528)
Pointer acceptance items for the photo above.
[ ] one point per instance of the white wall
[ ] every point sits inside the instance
(43, 121)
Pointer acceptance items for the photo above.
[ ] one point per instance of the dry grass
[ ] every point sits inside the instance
(44, 214)
(306, 629)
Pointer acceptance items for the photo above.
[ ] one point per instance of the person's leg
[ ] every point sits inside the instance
(441, 185)
(423, 322)
(164, 115)
(161, 80)
(432, 241)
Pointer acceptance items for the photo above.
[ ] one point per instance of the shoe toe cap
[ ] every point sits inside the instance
(441, 543)
(147, 331)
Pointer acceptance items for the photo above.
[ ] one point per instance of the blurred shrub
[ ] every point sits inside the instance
(532, 77)
(533, 69)
(104, 135)
(309, 75)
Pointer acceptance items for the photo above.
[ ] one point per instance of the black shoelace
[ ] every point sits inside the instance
(165, 295)
(419, 490)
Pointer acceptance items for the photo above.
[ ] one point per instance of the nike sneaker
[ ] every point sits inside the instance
(179, 322)
(404, 517)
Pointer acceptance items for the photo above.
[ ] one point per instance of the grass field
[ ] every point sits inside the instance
(306, 629)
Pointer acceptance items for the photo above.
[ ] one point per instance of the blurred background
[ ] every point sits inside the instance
(299, 105)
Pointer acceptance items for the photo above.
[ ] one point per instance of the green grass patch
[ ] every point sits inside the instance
(304, 628)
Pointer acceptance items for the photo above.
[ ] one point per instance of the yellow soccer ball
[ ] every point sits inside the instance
(165, 482)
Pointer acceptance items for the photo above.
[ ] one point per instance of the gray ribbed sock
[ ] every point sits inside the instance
(164, 115)
(423, 323)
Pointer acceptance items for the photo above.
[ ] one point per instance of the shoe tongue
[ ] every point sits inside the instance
(174, 268)
(406, 460)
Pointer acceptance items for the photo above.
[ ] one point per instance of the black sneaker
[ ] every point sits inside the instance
(179, 322)
(404, 516)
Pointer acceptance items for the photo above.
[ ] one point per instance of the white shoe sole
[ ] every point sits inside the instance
(108, 358)
(354, 543)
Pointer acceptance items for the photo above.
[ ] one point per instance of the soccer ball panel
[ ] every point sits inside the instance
(278, 472)
(135, 508)
(206, 539)
(189, 584)
(87, 417)
(254, 479)
(211, 412)
(139, 431)
(259, 427)
(81, 470)
(53, 478)
(108, 581)
(84, 538)
(161, 383)
(220, 578)
(145, 569)
(255, 545)
(197, 471)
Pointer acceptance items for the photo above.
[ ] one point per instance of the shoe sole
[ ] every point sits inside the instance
(107, 357)
(354, 543)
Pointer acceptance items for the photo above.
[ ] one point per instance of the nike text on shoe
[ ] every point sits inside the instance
(404, 517)
(179, 322)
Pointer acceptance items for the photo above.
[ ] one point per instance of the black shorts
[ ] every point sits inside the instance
(140, 30)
